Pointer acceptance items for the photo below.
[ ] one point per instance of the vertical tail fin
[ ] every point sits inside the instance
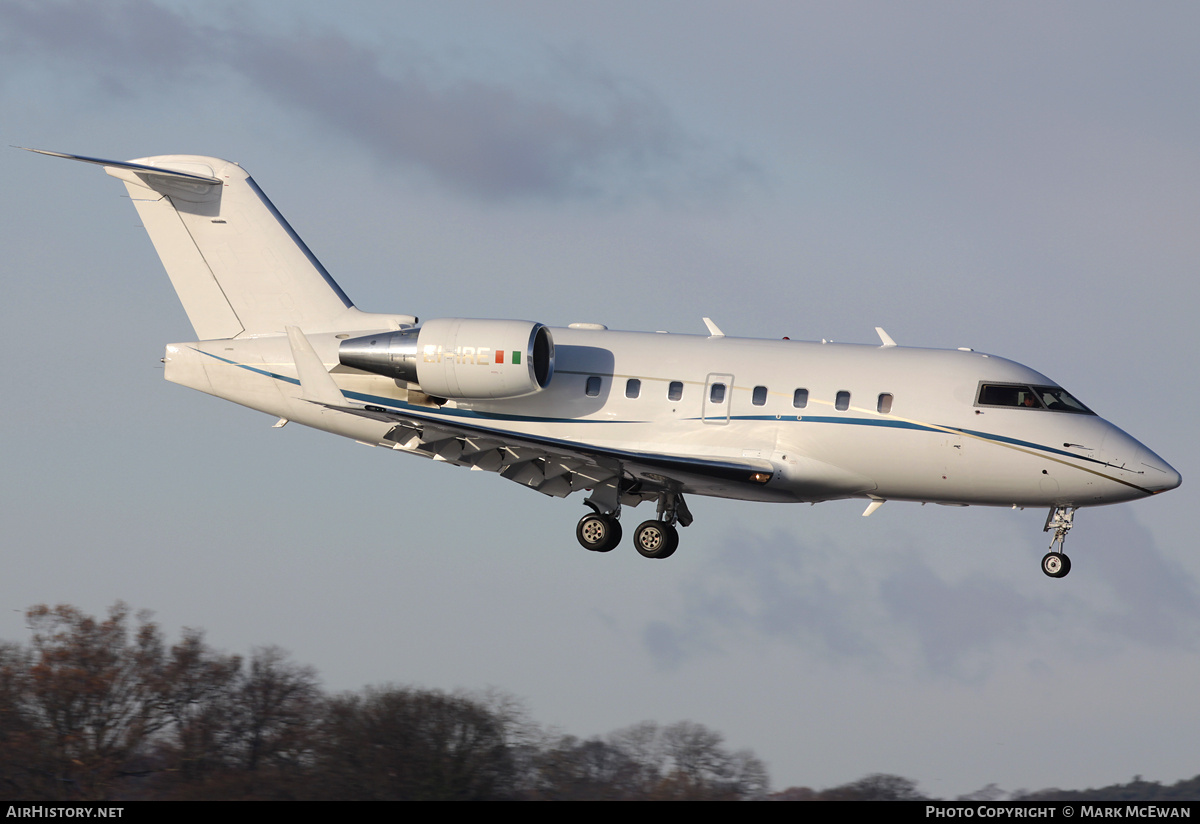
(238, 267)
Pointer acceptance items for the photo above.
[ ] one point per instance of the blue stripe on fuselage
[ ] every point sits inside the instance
(423, 411)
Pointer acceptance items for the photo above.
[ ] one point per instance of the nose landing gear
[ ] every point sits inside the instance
(1060, 519)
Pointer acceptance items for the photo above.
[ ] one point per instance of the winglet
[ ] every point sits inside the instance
(874, 505)
(316, 383)
(884, 336)
(713, 331)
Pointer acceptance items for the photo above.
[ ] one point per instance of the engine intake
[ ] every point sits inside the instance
(460, 358)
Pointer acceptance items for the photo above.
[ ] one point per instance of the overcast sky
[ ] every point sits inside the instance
(1021, 178)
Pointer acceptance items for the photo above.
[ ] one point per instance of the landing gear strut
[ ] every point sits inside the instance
(659, 538)
(600, 529)
(1060, 519)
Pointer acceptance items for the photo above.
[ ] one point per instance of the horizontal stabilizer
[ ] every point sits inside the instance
(133, 167)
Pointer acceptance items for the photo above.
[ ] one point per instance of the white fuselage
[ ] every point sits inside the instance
(613, 390)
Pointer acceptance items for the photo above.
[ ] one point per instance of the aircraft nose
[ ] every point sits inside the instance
(1151, 473)
(1160, 475)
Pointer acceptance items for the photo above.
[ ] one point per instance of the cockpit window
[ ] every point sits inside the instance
(1060, 400)
(1054, 398)
(991, 394)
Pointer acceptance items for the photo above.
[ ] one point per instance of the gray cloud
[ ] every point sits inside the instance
(764, 587)
(121, 48)
(957, 624)
(1125, 590)
(1157, 602)
(593, 135)
(1150, 600)
(475, 135)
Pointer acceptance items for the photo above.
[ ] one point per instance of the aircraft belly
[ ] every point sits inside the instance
(946, 465)
(808, 479)
(939, 464)
(975, 467)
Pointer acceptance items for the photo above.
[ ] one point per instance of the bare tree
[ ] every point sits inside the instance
(200, 688)
(275, 709)
(684, 760)
(990, 792)
(23, 742)
(404, 744)
(97, 709)
(875, 787)
(95, 689)
(578, 770)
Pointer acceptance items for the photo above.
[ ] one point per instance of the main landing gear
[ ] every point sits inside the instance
(1060, 519)
(600, 531)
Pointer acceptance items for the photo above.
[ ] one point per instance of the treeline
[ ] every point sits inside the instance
(874, 787)
(1135, 790)
(104, 709)
(884, 787)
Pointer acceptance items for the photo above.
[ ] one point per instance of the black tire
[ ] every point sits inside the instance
(598, 533)
(1055, 564)
(656, 539)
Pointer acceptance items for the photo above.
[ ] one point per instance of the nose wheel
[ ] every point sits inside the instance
(1056, 564)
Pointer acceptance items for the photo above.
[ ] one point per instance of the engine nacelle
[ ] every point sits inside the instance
(460, 358)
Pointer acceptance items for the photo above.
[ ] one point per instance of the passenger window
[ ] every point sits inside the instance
(717, 393)
(633, 388)
(760, 396)
(675, 391)
(593, 386)
(885, 403)
(843, 401)
(800, 398)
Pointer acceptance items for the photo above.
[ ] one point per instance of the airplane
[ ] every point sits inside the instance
(628, 417)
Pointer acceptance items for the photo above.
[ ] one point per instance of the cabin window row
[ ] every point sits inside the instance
(758, 396)
(633, 388)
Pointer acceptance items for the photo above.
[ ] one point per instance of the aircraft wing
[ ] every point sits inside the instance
(559, 467)
(552, 466)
